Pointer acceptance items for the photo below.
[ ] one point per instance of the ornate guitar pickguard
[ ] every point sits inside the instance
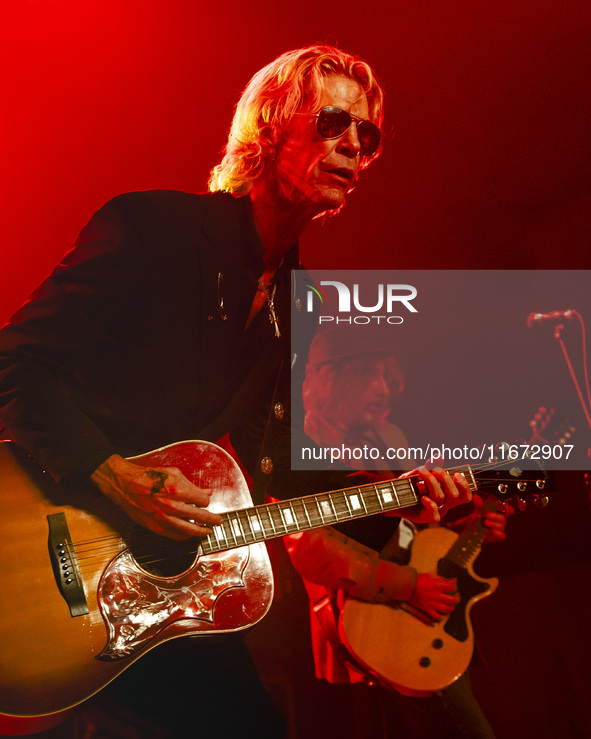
(136, 605)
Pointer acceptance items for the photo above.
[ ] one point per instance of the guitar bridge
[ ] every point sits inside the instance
(65, 564)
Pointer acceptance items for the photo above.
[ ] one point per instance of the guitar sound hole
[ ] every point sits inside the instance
(161, 556)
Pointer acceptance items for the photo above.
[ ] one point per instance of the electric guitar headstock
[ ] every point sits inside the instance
(505, 476)
(511, 481)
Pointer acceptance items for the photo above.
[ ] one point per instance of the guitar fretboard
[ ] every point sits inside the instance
(272, 520)
(469, 543)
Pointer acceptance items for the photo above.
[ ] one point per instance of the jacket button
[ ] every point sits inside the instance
(278, 410)
(266, 465)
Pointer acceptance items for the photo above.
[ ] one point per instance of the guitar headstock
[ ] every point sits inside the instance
(506, 482)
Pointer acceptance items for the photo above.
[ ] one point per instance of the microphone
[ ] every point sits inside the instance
(537, 319)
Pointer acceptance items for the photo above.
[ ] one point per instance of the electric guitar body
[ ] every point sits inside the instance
(402, 647)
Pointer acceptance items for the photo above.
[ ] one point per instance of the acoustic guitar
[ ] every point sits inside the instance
(84, 592)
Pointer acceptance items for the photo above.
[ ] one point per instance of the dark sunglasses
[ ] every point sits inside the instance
(332, 122)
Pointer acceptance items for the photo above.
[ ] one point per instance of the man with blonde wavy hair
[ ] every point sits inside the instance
(291, 85)
(304, 128)
(168, 320)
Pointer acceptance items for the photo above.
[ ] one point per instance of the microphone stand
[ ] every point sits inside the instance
(558, 336)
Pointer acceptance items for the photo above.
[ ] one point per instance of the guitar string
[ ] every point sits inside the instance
(117, 543)
(328, 495)
(88, 549)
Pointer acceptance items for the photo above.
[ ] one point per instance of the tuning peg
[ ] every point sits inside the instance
(521, 503)
(541, 501)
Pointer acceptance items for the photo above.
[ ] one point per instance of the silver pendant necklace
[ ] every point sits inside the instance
(265, 288)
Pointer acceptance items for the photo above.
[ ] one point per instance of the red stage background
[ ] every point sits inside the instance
(488, 168)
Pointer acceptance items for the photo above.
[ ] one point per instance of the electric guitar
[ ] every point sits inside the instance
(401, 645)
(84, 592)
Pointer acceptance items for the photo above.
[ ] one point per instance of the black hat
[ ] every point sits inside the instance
(348, 340)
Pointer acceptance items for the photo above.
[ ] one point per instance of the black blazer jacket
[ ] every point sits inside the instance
(137, 340)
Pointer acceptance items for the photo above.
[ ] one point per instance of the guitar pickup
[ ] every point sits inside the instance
(65, 564)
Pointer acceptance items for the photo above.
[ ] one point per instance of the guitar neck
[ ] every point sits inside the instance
(469, 543)
(273, 520)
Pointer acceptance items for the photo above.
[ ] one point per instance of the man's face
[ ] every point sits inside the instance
(316, 173)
